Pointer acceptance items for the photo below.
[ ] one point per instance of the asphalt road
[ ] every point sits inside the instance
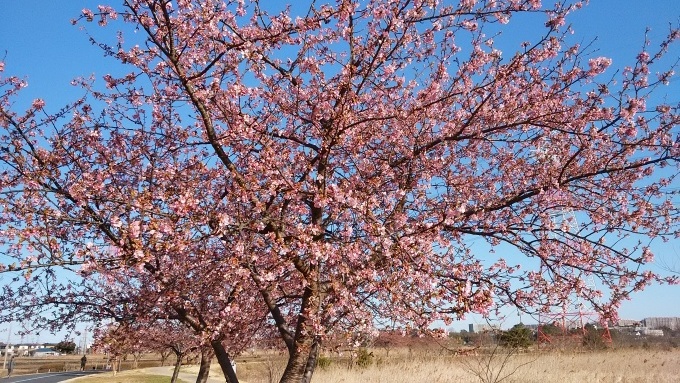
(53, 377)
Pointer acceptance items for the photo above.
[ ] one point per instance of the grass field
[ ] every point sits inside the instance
(601, 367)
(613, 366)
(636, 365)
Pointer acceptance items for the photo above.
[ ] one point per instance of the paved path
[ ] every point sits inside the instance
(188, 377)
(53, 377)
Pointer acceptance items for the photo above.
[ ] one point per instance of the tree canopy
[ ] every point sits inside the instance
(65, 347)
(519, 336)
(320, 169)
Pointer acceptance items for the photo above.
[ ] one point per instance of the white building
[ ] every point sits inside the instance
(21, 349)
(648, 331)
(474, 327)
(45, 352)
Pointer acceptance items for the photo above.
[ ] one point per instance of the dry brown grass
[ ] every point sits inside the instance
(611, 366)
(429, 366)
(627, 366)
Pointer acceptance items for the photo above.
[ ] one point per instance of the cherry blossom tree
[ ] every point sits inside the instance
(328, 165)
(158, 336)
(111, 341)
(141, 303)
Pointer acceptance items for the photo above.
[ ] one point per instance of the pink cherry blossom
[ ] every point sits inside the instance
(295, 178)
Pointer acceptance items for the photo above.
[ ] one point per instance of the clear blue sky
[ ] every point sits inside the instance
(38, 42)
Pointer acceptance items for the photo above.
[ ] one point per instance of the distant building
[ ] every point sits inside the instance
(628, 323)
(646, 331)
(672, 323)
(652, 332)
(21, 349)
(45, 352)
(472, 327)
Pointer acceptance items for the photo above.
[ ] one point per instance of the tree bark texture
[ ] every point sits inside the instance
(204, 370)
(175, 371)
(311, 362)
(225, 362)
(300, 368)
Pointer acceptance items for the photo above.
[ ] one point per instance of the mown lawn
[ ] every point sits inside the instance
(125, 377)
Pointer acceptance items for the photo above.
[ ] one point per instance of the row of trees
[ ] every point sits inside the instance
(522, 337)
(250, 171)
(122, 340)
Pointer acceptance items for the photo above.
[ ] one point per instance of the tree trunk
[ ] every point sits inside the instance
(115, 365)
(297, 363)
(224, 361)
(175, 371)
(164, 356)
(204, 370)
(311, 362)
(301, 366)
(302, 356)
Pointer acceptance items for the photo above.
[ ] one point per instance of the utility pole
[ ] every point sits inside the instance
(83, 343)
(9, 332)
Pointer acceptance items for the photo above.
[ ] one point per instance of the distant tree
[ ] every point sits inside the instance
(549, 329)
(669, 332)
(135, 339)
(389, 340)
(65, 347)
(592, 338)
(180, 340)
(519, 336)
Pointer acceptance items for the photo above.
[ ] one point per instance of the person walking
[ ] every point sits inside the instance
(83, 361)
(10, 366)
